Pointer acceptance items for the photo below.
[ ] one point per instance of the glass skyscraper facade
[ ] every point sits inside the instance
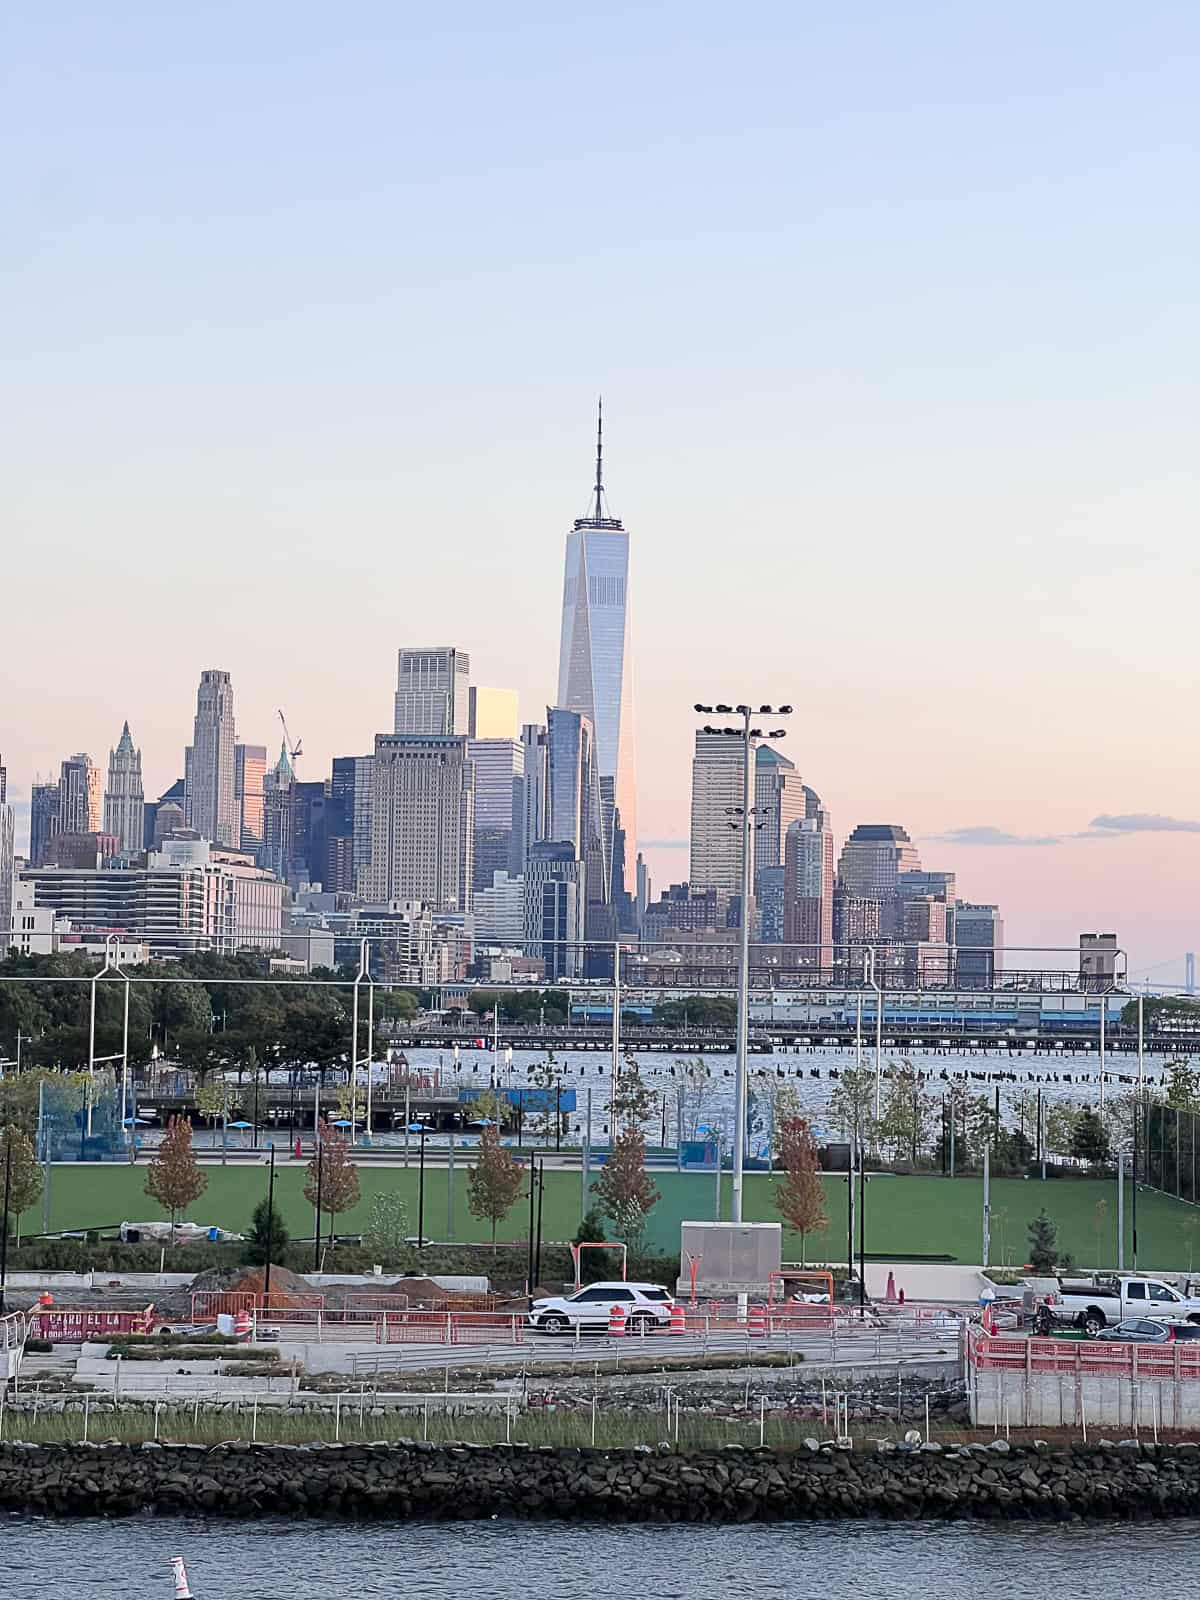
(595, 668)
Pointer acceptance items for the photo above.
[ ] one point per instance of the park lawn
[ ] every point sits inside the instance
(906, 1216)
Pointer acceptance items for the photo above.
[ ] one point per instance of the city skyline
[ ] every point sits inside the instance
(895, 333)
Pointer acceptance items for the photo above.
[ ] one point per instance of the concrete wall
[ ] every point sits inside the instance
(1067, 1400)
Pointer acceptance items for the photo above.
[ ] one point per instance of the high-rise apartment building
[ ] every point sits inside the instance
(249, 774)
(210, 776)
(718, 780)
(431, 692)
(43, 820)
(124, 798)
(595, 670)
(422, 822)
(80, 802)
(492, 713)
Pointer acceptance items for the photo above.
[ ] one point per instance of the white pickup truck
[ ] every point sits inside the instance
(1108, 1300)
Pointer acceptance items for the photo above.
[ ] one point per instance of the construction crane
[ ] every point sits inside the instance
(294, 751)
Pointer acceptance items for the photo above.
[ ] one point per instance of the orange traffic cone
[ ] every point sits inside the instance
(616, 1322)
(678, 1318)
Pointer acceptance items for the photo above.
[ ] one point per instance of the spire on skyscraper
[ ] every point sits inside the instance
(599, 458)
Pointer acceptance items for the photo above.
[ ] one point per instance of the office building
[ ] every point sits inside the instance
(857, 920)
(492, 713)
(83, 850)
(499, 912)
(7, 867)
(808, 893)
(872, 859)
(276, 851)
(779, 800)
(769, 905)
(80, 802)
(979, 944)
(422, 822)
(124, 799)
(555, 900)
(535, 777)
(499, 806)
(595, 671)
(431, 692)
(169, 818)
(718, 783)
(249, 777)
(210, 765)
(687, 908)
(43, 820)
(3, 782)
(915, 885)
(352, 782)
(575, 813)
(189, 897)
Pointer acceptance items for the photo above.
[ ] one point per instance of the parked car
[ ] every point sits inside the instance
(1107, 1301)
(646, 1305)
(1150, 1330)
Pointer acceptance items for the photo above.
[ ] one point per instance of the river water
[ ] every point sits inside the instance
(130, 1560)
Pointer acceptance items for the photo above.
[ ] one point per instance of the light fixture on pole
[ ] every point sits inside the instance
(743, 820)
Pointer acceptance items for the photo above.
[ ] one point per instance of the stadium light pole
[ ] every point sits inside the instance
(743, 818)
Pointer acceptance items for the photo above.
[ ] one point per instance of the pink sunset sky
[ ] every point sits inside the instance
(896, 324)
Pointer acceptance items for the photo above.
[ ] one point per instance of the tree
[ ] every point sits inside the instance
(332, 1175)
(386, 1232)
(625, 1189)
(174, 1177)
(25, 1183)
(544, 1078)
(268, 1237)
(1060, 1128)
(852, 1106)
(488, 1106)
(1089, 1141)
(494, 1182)
(633, 1102)
(799, 1192)
(1181, 1083)
(593, 1264)
(907, 1115)
(1043, 1245)
(695, 1078)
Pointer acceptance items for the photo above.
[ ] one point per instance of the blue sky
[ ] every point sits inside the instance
(303, 315)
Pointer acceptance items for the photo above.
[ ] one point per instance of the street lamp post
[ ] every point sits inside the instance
(743, 819)
(419, 1127)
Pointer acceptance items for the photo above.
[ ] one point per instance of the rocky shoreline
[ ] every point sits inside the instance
(416, 1481)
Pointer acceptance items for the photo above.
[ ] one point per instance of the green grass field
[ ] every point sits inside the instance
(918, 1216)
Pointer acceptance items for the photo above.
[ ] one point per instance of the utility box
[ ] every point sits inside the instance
(734, 1257)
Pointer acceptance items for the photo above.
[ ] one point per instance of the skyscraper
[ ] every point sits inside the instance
(422, 822)
(778, 802)
(7, 845)
(499, 806)
(575, 812)
(80, 803)
(555, 888)
(43, 820)
(718, 775)
(808, 891)
(124, 799)
(211, 767)
(276, 851)
(594, 665)
(492, 713)
(872, 859)
(249, 772)
(535, 780)
(352, 782)
(3, 781)
(431, 691)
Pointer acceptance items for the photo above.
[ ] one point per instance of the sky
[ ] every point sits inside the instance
(895, 311)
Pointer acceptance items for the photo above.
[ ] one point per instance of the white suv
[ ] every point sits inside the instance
(646, 1306)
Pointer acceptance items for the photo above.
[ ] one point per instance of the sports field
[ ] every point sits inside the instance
(906, 1217)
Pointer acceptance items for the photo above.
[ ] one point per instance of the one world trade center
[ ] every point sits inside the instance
(595, 673)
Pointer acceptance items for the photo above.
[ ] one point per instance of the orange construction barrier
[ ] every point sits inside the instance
(242, 1325)
(678, 1318)
(758, 1323)
(616, 1322)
